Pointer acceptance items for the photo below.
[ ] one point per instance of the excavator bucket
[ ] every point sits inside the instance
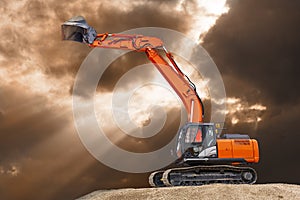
(76, 29)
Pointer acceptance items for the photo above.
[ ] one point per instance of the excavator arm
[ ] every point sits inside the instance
(76, 29)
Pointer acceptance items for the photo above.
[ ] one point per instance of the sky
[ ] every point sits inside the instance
(255, 45)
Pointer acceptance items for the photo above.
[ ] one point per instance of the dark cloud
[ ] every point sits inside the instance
(259, 44)
(24, 122)
(278, 142)
(256, 48)
(42, 143)
(1, 115)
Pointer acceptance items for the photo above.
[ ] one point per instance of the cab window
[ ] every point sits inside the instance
(193, 134)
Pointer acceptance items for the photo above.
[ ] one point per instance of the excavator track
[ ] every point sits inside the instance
(201, 175)
(155, 179)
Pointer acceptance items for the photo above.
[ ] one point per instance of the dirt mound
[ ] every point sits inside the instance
(206, 192)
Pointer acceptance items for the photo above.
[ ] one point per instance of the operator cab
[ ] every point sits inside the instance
(197, 140)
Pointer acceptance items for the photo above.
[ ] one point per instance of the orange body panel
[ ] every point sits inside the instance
(238, 148)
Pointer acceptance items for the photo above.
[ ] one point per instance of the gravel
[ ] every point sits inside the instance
(206, 192)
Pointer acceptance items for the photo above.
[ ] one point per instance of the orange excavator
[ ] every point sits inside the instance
(203, 156)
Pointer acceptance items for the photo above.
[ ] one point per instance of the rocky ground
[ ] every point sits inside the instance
(206, 192)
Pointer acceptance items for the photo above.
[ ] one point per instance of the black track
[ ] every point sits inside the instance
(201, 175)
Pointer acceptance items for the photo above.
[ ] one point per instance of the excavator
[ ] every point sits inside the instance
(202, 155)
